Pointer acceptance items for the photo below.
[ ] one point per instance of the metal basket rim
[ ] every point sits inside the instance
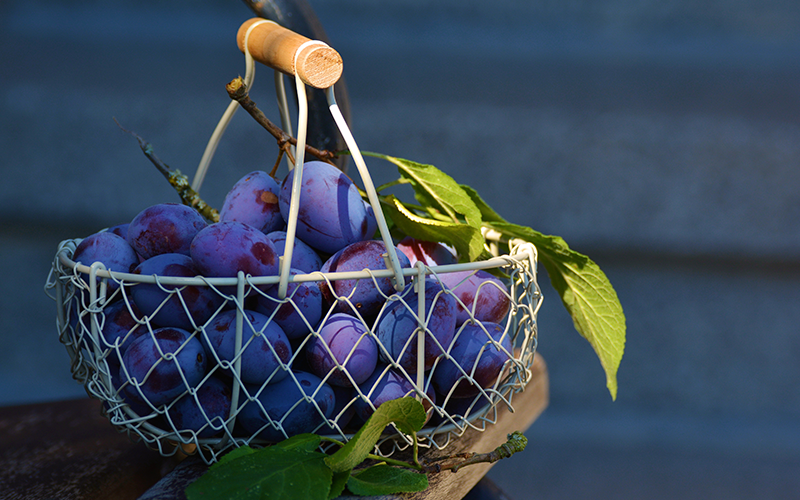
(495, 262)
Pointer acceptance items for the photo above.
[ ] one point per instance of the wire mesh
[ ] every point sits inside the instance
(98, 320)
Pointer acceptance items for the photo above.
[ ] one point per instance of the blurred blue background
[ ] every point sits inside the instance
(660, 138)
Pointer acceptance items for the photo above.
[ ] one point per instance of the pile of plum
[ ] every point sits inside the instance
(321, 359)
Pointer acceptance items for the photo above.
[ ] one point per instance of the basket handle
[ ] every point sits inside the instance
(316, 63)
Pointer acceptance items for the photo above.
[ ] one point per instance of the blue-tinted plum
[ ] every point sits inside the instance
(429, 253)
(120, 391)
(331, 213)
(343, 411)
(253, 200)
(259, 363)
(304, 257)
(166, 308)
(480, 291)
(459, 408)
(343, 340)
(225, 248)
(385, 385)
(113, 251)
(160, 379)
(295, 317)
(397, 323)
(121, 328)
(120, 230)
(206, 412)
(279, 400)
(363, 294)
(164, 228)
(477, 356)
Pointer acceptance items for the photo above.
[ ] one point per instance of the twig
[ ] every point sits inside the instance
(237, 91)
(176, 179)
(516, 443)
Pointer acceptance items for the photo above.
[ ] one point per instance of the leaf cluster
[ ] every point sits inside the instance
(455, 214)
(296, 468)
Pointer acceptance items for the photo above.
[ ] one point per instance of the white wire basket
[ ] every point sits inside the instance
(85, 293)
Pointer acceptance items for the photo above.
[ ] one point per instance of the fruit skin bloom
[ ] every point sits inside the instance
(331, 213)
(225, 248)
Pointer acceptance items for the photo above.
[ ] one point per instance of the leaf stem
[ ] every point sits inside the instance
(392, 184)
(392, 461)
(331, 440)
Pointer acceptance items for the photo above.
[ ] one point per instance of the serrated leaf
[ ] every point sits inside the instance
(434, 188)
(406, 413)
(467, 240)
(586, 293)
(386, 480)
(272, 473)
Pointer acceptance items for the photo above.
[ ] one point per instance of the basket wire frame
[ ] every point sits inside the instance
(83, 292)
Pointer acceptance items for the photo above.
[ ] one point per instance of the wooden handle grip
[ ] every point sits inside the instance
(318, 65)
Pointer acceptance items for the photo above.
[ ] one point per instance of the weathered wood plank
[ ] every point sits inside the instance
(69, 451)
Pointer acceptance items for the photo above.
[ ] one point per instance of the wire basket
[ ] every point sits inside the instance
(264, 408)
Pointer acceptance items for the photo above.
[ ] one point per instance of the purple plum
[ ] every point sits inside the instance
(343, 340)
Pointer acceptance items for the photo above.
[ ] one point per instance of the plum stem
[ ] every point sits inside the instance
(176, 179)
(237, 90)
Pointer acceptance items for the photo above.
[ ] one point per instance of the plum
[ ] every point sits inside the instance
(385, 385)
(343, 340)
(430, 253)
(331, 212)
(120, 230)
(195, 305)
(304, 257)
(205, 411)
(287, 407)
(295, 317)
(111, 250)
(163, 365)
(366, 295)
(397, 323)
(253, 200)
(225, 248)
(164, 228)
(478, 291)
(473, 352)
(260, 337)
(120, 328)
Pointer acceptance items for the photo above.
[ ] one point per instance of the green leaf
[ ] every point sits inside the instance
(272, 473)
(232, 455)
(487, 213)
(304, 442)
(434, 188)
(339, 483)
(586, 293)
(467, 240)
(407, 414)
(386, 480)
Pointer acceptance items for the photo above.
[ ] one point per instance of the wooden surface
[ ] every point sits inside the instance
(67, 450)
